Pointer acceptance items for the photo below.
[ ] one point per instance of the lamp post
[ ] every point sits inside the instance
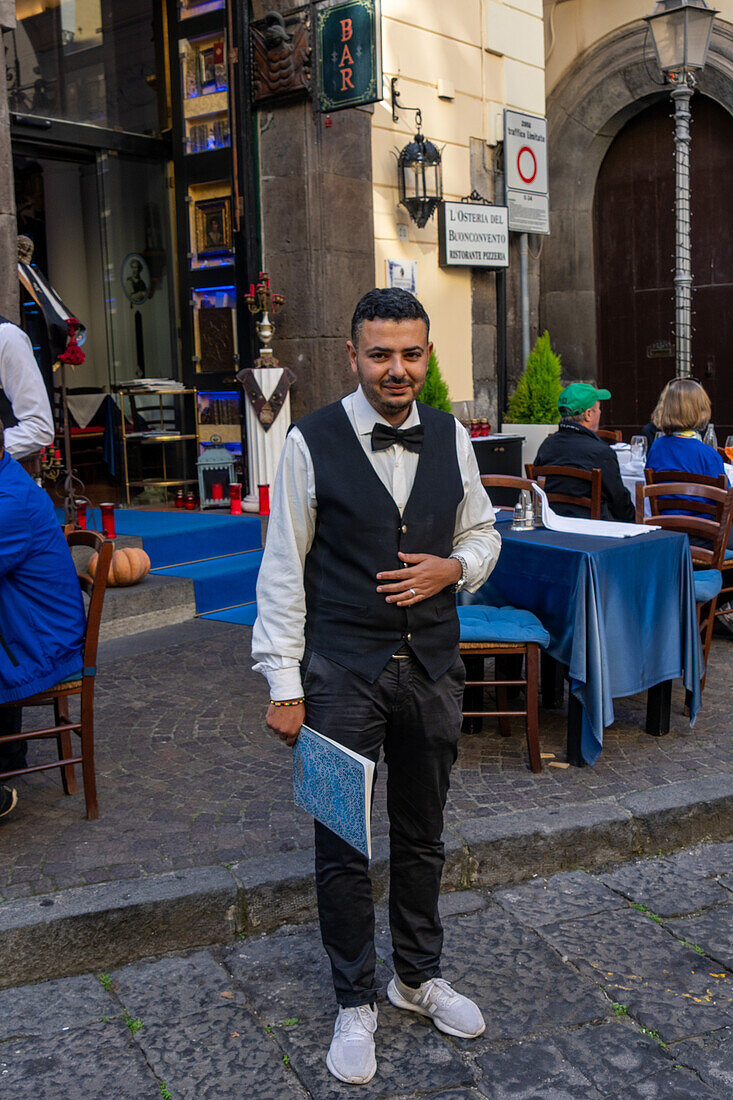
(681, 31)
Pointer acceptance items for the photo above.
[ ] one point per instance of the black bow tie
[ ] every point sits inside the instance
(383, 436)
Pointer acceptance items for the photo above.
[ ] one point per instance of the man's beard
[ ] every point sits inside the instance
(384, 402)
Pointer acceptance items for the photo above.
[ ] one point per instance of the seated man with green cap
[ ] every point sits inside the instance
(575, 443)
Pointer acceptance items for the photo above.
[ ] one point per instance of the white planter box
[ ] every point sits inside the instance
(534, 437)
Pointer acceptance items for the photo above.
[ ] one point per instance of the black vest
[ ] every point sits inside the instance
(358, 534)
(7, 417)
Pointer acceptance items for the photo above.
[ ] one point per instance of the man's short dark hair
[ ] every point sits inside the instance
(391, 304)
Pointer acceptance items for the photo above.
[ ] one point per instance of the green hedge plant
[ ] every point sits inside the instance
(534, 401)
(435, 391)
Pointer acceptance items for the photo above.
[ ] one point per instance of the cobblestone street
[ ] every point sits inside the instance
(189, 776)
(604, 985)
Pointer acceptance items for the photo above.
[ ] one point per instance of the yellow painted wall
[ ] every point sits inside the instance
(572, 26)
(491, 53)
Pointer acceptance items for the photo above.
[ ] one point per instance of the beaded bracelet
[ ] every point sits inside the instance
(286, 703)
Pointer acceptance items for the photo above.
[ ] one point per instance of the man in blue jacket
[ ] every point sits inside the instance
(42, 614)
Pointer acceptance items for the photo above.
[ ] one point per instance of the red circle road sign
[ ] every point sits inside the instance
(525, 156)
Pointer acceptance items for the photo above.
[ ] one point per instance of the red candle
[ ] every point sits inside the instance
(108, 520)
(81, 514)
(235, 499)
(57, 455)
(217, 491)
(180, 499)
(251, 290)
(264, 492)
(190, 501)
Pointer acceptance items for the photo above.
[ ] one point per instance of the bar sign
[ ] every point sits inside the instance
(349, 54)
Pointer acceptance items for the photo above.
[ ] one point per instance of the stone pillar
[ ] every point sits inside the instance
(9, 303)
(483, 291)
(317, 237)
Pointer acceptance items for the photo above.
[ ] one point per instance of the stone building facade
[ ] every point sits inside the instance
(610, 127)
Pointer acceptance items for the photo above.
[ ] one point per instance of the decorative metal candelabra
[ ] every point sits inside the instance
(261, 299)
(267, 389)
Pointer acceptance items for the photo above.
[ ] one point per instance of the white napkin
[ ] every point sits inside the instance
(607, 529)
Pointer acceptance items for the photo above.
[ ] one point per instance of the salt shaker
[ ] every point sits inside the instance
(526, 505)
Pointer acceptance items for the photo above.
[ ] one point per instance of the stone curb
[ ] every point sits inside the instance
(107, 925)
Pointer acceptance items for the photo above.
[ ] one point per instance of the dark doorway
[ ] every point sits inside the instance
(634, 258)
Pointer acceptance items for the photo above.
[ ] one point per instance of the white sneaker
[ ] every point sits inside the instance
(351, 1056)
(451, 1012)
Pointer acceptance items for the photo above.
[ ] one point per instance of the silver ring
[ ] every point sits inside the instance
(413, 593)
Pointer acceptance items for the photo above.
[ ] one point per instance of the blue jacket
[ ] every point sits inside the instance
(42, 616)
(685, 453)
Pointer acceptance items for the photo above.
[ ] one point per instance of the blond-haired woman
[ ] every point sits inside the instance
(682, 414)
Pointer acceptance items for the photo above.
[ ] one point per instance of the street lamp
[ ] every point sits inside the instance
(420, 177)
(681, 31)
(419, 169)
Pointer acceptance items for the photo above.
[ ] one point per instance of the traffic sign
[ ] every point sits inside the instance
(525, 166)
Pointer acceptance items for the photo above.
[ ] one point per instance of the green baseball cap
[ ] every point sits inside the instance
(579, 396)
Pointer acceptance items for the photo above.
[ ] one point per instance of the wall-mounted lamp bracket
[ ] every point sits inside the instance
(395, 95)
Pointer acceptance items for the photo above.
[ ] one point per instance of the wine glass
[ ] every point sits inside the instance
(729, 448)
(638, 447)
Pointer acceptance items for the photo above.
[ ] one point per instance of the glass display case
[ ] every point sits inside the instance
(188, 8)
(210, 224)
(205, 84)
(218, 414)
(215, 330)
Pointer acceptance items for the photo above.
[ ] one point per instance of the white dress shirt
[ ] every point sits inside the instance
(278, 639)
(24, 388)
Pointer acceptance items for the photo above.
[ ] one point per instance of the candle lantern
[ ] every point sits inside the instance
(215, 469)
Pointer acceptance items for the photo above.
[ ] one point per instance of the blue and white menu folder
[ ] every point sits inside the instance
(334, 785)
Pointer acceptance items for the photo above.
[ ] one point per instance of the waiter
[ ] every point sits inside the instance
(24, 406)
(25, 414)
(378, 517)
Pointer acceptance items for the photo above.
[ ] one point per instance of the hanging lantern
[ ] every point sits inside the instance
(420, 177)
(681, 31)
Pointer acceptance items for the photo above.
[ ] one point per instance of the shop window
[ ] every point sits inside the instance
(205, 83)
(85, 61)
(210, 224)
(215, 330)
(187, 8)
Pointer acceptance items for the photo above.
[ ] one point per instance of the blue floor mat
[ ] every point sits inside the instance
(221, 583)
(173, 538)
(244, 616)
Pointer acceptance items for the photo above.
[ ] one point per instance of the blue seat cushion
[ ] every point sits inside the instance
(708, 582)
(728, 555)
(483, 623)
(70, 679)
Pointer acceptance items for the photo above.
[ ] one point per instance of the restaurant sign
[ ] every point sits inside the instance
(472, 234)
(349, 37)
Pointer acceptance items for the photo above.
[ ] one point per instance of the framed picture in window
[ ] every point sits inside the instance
(214, 226)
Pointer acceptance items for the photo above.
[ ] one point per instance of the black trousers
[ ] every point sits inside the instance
(12, 754)
(417, 723)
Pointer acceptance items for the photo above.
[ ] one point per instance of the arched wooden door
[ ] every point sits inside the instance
(634, 259)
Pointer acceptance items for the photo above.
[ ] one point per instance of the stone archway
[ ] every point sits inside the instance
(606, 86)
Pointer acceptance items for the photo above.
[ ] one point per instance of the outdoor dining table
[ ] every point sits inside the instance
(621, 617)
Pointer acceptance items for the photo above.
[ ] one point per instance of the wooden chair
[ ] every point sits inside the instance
(540, 474)
(81, 685)
(484, 633)
(509, 488)
(710, 524)
(609, 435)
(655, 477)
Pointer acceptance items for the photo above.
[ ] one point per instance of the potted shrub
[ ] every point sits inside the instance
(435, 391)
(532, 410)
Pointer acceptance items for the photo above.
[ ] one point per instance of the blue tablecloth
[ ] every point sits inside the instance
(620, 613)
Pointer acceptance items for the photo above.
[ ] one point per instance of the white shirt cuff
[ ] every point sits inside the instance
(285, 683)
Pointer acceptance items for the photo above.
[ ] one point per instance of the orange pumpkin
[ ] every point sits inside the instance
(128, 566)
